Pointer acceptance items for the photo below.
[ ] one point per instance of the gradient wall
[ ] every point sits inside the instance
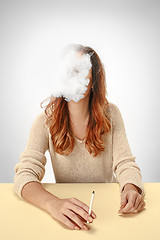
(126, 36)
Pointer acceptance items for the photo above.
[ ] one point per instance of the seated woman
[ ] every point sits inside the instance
(86, 139)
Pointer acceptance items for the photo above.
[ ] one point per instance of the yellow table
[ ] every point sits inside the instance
(22, 220)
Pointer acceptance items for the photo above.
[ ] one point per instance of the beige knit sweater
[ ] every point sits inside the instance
(115, 164)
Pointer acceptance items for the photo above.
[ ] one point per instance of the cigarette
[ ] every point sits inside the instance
(90, 208)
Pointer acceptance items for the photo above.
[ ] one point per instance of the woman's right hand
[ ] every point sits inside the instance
(70, 211)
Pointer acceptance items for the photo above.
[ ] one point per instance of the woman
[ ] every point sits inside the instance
(87, 143)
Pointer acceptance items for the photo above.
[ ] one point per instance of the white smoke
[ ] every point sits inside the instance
(72, 70)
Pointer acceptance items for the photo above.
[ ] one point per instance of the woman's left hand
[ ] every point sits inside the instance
(131, 200)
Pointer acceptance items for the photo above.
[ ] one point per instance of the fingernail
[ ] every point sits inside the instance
(77, 228)
(90, 219)
(93, 215)
(85, 227)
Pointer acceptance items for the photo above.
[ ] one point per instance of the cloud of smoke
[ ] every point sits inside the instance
(70, 77)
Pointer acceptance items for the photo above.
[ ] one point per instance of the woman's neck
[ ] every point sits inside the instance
(79, 111)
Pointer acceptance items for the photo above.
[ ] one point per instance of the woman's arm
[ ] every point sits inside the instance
(124, 165)
(130, 185)
(31, 165)
(29, 173)
(36, 194)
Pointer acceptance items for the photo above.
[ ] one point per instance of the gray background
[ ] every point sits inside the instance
(126, 36)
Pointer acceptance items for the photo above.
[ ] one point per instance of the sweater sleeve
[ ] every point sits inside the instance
(124, 166)
(32, 161)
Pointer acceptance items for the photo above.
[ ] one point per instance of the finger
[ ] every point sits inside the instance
(80, 211)
(131, 202)
(143, 206)
(123, 200)
(139, 206)
(83, 205)
(64, 219)
(137, 202)
(73, 216)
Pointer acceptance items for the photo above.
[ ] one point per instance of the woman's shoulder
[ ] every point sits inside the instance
(113, 109)
(40, 120)
(40, 117)
(116, 115)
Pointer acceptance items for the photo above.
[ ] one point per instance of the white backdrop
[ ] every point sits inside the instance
(125, 34)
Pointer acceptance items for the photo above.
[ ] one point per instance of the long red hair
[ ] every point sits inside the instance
(57, 116)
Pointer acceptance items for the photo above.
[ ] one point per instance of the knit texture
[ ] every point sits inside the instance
(115, 164)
